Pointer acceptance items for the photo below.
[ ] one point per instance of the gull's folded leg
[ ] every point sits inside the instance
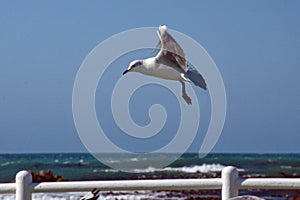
(187, 99)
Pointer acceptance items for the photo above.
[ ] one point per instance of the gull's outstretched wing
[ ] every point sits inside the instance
(170, 53)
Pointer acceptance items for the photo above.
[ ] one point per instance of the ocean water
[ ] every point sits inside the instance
(80, 167)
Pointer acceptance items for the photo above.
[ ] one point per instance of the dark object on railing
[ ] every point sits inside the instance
(45, 176)
(93, 195)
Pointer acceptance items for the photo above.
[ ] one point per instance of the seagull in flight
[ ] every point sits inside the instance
(169, 63)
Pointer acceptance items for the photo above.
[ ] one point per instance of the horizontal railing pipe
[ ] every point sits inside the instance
(165, 184)
(229, 183)
(269, 183)
(7, 188)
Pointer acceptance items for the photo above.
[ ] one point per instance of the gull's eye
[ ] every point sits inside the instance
(133, 66)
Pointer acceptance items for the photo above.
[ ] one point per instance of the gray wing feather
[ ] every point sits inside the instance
(171, 53)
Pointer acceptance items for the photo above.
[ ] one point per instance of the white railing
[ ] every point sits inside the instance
(230, 184)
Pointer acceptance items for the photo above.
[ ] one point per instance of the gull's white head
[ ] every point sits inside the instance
(134, 66)
(163, 27)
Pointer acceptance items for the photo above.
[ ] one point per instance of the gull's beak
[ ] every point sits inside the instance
(127, 70)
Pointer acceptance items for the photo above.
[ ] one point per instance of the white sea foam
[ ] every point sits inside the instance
(204, 168)
(286, 167)
(147, 170)
(113, 161)
(111, 170)
(6, 163)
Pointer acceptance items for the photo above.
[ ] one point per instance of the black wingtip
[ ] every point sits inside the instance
(203, 87)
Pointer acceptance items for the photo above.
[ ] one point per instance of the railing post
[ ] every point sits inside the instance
(23, 181)
(229, 177)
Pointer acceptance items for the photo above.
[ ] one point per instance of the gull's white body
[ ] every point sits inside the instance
(151, 68)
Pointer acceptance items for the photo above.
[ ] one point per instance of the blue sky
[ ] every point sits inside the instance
(255, 45)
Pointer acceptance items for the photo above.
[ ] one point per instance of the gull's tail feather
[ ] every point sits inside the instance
(196, 78)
